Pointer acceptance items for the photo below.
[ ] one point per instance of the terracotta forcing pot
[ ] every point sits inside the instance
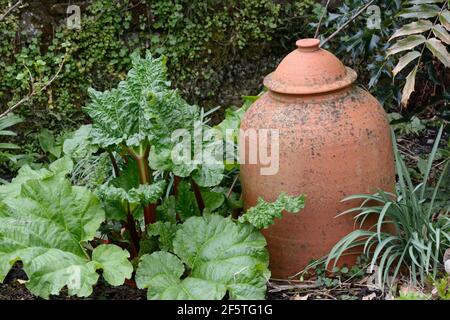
(334, 141)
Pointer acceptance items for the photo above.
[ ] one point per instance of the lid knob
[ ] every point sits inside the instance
(309, 70)
(308, 45)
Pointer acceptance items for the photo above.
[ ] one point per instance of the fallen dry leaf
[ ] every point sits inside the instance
(299, 297)
(371, 296)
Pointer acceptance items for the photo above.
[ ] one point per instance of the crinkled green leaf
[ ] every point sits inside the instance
(178, 156)
(264, 213)
(165, 231)
(160, 272)
(79, 144)
(61, 167)
(144, 194)
(119, 115)
(209, 174)
(45, 226)
(166, 211)
(114, 262)
(222, 256)
(143, 110)
(186, 204)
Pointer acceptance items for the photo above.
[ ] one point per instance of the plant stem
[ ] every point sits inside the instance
(114, 164)
(232, 186)
(176, 182)
(145, 178)
(131, 226)
(198, 196)
(348, 22)
(10, 9)
(325, 9)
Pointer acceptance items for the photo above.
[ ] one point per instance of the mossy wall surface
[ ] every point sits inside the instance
(217, 50)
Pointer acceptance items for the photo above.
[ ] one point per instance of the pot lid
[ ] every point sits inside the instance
(308, 70)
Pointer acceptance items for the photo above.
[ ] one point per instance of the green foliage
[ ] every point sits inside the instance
(222, 257)
(46, 223)
(443, 288)
(264, 213)
(413, 126)
(201, 39)
(5, 125)
(204, 254)
(362, 45)
(421, 233)
(413, 294)
(153, 113)
(428, 29)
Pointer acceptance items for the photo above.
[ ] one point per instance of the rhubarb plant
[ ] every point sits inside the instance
(46, 223)
(130, 202)
(211, 256)
(221, 256)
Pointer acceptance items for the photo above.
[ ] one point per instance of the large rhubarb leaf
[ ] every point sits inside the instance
(161, 272)
(143, 111)
(119, 115)
(61, 167)
(46, 226)
(79, 145)
(125, 192)
(221, 255)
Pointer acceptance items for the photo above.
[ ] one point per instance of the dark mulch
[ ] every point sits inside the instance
(13, 288)
(310, 290)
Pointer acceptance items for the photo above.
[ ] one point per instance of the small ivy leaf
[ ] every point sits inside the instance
(412, 28)
(444, 18)
(421, 11)
(439, 51)
(409, 86)
(440, 32)
(404, 61)
(406, 44)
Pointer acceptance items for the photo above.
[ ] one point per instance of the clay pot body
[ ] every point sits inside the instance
(334, 141)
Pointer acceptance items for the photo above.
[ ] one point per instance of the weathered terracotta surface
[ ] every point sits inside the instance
(333, 143)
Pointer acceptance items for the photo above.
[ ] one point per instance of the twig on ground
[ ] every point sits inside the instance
(10, 9)
(360, 11)
(325, 9)
(232, 186)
